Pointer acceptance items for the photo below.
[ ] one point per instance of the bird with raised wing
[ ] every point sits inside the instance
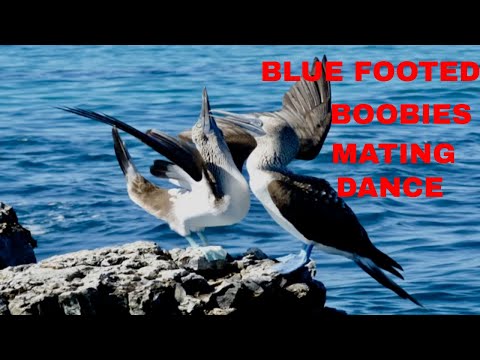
(308, 207)
(210, 191)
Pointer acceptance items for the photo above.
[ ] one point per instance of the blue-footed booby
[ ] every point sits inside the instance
(210, 190)
(308, 207)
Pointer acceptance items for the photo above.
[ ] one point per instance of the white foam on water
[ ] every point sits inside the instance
(36, 229)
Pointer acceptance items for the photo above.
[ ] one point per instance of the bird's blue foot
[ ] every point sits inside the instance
(289, 263)
(214, 253)
(211, 253)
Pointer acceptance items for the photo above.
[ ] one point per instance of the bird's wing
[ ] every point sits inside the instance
(307, 108)
(173, 173)
(239, 142)
(312, 206)
(148, 196)
(176, 150)
(182, 153)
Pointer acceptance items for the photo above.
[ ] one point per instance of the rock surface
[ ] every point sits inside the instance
(16, 242)
(141, 278)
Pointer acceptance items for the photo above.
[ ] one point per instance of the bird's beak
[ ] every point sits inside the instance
(207, 121)
(251, 125)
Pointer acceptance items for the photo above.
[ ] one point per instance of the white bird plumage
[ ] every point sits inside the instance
(210, 191)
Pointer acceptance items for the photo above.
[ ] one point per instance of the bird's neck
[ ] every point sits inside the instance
(266, 159)
(235, 191)
(227, 176)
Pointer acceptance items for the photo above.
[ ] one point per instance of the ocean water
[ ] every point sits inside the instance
(60, 173)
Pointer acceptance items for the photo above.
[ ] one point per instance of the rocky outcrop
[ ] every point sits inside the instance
(141, 278)
(16, 242)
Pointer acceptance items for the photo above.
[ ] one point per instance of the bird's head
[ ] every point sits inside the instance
(276, 140)
(208, 137)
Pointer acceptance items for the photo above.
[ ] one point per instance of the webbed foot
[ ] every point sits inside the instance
(214, 253)
(289, 263)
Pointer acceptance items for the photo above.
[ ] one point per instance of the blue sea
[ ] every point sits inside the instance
(60, 173)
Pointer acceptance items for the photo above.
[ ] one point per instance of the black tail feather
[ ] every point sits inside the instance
(385, 262)
(377, 274)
